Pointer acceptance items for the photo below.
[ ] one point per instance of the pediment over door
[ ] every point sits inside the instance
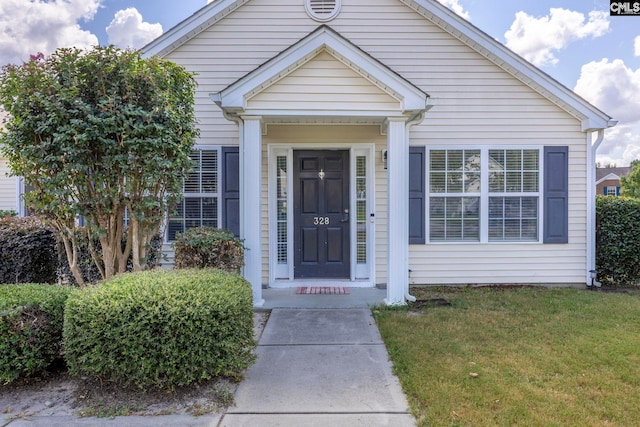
(323, 77)
(325, 84)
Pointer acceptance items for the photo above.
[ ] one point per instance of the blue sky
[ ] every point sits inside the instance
(576, 42)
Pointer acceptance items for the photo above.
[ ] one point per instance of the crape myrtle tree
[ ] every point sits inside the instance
(101, 134)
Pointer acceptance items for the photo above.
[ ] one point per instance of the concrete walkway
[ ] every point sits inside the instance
(319, 367)
(315, 367)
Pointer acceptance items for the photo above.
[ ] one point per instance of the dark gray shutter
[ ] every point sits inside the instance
(416, 195)
(556, 195)
(231, 189)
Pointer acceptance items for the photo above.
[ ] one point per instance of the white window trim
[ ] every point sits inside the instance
(218, 195)
(485, 194)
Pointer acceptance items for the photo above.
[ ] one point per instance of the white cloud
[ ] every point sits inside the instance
(128, 30)
(636, 46)
(614, 88)
(456, 7)
(536, 39)
(620, 147)
(28, 27)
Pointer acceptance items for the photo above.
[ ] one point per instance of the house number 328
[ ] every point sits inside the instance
(320, 220)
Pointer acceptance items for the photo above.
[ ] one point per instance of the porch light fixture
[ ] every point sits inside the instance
(384, 154)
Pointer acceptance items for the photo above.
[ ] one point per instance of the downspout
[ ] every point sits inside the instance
(591, 204)
(418, 118)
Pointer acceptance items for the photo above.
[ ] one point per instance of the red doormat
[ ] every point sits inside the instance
(334, 290)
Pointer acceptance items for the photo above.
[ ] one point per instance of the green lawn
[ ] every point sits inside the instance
(528, 357)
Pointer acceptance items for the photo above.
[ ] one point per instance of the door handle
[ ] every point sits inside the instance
(345, 216)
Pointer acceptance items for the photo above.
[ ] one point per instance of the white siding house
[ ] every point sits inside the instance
(383, 142)
(8, 184)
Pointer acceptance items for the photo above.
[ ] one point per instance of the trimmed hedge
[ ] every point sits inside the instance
(618, 240)
(27, 251)
(160, 329)
(31, 321)
(209, 247)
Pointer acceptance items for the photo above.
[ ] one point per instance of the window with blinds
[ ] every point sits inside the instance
(484, 195)
(281, 207)
(454, 184)
(199, 206)
(513, 195)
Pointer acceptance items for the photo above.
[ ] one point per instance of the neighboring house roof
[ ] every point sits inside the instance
(591, 117)
(605, 174)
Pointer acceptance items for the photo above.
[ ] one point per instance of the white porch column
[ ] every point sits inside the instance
(398, 199)
(250, 195)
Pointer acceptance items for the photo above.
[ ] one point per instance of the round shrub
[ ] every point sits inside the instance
(209, 247)
(31, 321)
(160, 329)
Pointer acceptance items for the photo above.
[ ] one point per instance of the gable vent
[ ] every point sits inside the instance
(322, 10)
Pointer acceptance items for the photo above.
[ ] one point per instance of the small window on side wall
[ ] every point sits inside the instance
(611, 190)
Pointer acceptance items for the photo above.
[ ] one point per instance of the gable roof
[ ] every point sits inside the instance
(605, 174)
(411, 100)
(591, 117)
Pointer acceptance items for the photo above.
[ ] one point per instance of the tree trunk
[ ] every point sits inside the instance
(98, 261)
(136, 244)
(71, 250)
(108, 258)
(123, 254)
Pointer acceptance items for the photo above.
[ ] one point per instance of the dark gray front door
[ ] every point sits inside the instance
(321, 213)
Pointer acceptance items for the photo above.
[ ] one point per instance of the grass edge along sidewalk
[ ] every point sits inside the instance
(506, 357)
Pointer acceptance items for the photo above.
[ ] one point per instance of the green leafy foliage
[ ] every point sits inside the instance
(630, 184)
(160, 329)
(31, 320)
(208, 247)
(5, 213)
(27, 251)
(618, 240)
(99, 133)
